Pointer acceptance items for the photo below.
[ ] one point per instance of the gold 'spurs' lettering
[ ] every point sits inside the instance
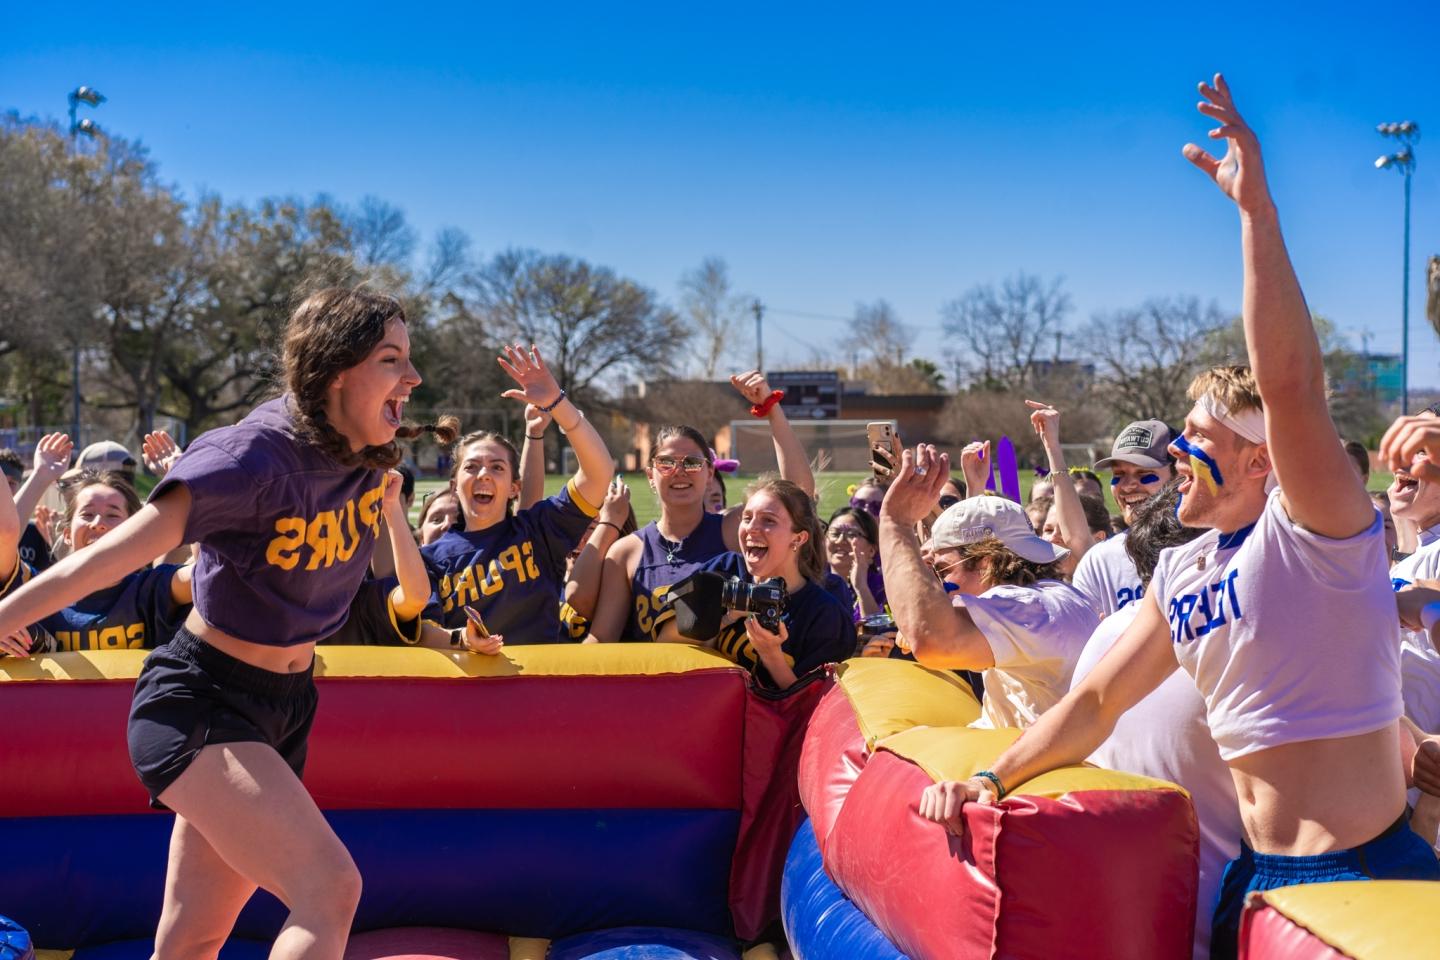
(329, 537)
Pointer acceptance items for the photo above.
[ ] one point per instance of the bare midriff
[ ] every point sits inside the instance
(1319, 796)
(291, 659)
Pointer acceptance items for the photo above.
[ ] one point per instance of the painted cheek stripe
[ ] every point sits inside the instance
(1205, 468)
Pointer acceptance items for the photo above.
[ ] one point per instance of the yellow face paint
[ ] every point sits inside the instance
(1202, 465)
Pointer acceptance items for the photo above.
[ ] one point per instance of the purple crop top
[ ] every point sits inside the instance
(285, 532)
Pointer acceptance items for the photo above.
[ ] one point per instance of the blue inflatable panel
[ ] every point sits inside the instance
(644, 943)
(820, 921)
(14, 941)
(142, 949)
(81, 881)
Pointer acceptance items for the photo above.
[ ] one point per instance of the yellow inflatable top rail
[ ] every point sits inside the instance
(1366, 919)
(923, 716)
(545, 660)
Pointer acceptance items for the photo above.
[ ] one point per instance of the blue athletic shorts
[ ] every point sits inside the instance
(1397, 854)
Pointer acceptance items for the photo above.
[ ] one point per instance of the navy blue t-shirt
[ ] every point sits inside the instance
(373, 621)
(820, 627)
(663, 564)
(34, 551)
(512, 573)
(138, 613)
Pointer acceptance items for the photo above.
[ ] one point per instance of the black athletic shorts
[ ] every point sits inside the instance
(191, 694)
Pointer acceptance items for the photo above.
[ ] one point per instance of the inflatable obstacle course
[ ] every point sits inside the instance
(587, 799)
(1358, 920)
(1080, 862)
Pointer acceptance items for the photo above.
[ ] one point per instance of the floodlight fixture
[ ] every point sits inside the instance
(1402, 161)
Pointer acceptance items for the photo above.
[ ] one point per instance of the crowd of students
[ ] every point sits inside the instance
(1251, 625)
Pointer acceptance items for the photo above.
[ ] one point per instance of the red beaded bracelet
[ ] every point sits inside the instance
(762, 408)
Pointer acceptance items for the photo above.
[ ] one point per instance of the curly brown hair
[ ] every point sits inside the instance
(331, 331)
(1002, 565)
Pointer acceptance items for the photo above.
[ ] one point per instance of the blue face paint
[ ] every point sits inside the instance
(1145, 478)
(1201, 464)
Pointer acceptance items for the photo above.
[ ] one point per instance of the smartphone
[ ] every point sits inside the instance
(475, 619)
(880, 437)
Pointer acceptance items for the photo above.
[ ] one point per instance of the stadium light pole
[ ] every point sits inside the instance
(90, 97)
(1403, 160)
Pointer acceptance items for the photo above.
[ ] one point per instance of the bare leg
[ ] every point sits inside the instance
(203, 896)
(258, 818)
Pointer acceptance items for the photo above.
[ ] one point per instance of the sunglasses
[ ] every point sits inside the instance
(665, 466)
(948, 501)
(1145, 478)
(835, 535)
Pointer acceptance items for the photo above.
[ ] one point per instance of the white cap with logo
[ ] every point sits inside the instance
(972, 520)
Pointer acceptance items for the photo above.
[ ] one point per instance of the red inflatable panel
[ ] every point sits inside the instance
(774, 733)
(832, 758)
(427, 943)
(1267, 934)
(538, 742)
(1106, 874)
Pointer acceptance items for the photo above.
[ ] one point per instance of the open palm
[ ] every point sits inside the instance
(1240, 173)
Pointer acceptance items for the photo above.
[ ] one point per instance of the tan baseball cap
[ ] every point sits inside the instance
(972, 520)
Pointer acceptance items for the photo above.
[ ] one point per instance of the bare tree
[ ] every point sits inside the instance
(380, 233)
(878, 335)
(590, 324)
(1145, 356)
(1003, 335)
(714, 313)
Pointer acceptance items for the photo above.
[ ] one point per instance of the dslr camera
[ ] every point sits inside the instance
(701, 599)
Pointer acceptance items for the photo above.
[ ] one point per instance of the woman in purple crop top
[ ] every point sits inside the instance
(285, 507)
(640, 568)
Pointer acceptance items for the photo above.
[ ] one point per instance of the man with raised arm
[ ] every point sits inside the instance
(1282, 613)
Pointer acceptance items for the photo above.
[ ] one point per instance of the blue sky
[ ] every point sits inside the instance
(830, 153)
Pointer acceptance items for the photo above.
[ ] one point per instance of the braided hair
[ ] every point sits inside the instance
(332, 331)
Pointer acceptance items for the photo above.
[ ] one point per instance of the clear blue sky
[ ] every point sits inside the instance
(831, 154)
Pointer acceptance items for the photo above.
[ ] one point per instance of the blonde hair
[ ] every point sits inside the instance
(1234, 386)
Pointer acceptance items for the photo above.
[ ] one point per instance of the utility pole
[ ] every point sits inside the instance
(90, 97)
(759, 310)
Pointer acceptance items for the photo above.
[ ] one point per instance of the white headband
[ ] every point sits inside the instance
(1249, 424)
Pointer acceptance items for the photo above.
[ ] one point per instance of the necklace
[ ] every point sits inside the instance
(670, 548)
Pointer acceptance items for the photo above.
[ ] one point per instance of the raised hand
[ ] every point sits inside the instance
(536, 421)
(48, 522)
(616, 507)
(862, 554)
(915, 491)
(536, 384)
(752, 386)
(1241, 172)
(1407, 439)
(1046, 421)
(974, 465)
(159, 451)
(52, 456)
(391, 498)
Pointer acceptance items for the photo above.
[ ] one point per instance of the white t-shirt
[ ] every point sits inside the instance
(1419, 660)
(1290, 635)
(1165, 736)
(1106, 576)
(1035, 633)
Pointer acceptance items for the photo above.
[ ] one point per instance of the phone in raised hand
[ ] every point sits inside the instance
(880, 437)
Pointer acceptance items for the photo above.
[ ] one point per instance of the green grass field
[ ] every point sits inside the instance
(832, 488)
